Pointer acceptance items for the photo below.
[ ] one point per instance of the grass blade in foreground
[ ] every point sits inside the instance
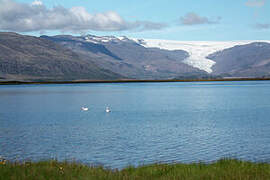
(222, 169)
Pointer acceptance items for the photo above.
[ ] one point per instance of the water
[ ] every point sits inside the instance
(150, 122)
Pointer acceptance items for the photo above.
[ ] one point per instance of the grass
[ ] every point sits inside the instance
(222, 169)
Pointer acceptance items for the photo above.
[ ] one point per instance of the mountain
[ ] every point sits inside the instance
(66, 57)
(221, 58)
(129, 58)
(32, 58)
(251, 60)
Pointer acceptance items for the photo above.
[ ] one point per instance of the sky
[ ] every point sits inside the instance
(187, 20)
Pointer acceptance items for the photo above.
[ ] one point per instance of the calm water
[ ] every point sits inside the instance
(149, 122)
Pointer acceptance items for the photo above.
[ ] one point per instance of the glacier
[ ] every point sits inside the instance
(198, 50)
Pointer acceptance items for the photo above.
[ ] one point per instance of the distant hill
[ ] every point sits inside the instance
(251, 60)
(33, 58)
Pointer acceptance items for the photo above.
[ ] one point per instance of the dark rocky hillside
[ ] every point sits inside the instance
(251, 60)
(32, 58)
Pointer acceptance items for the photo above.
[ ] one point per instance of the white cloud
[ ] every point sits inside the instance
(37, 3)
(255, 3)
(194, 19)
(22, 17)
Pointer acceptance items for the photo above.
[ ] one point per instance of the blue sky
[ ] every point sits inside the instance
(155, 19)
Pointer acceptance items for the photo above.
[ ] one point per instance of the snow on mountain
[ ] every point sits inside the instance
(198, 50)
(104, 39)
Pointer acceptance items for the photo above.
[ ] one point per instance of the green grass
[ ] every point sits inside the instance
(222, 169)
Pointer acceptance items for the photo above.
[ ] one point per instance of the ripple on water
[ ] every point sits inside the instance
(158, 122)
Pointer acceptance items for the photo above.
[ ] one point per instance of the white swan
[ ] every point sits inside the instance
(108, 109)
(84, 108)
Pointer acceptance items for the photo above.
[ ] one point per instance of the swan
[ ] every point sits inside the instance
(108, 109)
(84, 108)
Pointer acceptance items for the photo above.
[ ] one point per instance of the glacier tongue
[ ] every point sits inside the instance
(198, 50)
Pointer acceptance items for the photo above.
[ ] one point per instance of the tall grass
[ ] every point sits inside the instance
(222, 169)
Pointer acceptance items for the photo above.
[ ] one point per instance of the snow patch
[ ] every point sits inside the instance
(104, 39)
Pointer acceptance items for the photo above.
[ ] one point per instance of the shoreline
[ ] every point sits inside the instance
(127, 81)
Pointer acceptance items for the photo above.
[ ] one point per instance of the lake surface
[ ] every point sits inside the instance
(149, 122)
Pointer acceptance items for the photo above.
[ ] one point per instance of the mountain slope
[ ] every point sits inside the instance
(128, 58)
(32, 58)
(251, 60)
(79, 44)
(89, 50)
